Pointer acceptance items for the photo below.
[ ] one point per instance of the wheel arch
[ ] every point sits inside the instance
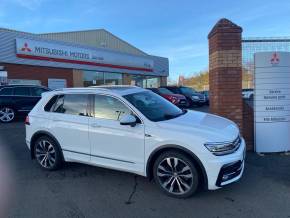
(154, 155)
(36, 136)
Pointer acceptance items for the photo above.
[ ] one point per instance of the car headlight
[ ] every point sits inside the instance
(195, 97)
(223, 148)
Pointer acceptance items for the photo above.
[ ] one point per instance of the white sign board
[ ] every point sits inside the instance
(56, 83)
(272, 101)
(47, 51)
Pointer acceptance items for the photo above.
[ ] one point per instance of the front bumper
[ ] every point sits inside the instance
(226, 169)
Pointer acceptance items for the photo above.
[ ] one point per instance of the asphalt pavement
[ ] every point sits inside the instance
(79, 190)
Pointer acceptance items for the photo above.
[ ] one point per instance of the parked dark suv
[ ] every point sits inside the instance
(193, 97)
(18, 100)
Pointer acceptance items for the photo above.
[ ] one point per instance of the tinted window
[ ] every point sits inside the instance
(35, 91)
(50, 103)
(6, 91)
(165, 91)
(187, 91)
(22, 91)
(74, 104)
(174, 90)
(153, 106)
(107, 107)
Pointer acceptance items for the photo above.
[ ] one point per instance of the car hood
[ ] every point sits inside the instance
(210, 127)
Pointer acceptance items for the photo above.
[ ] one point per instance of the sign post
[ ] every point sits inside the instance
(272, 102)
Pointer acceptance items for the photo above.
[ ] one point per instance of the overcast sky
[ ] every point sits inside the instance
(175, 29)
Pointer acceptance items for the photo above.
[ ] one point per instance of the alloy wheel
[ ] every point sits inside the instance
(6, 114)
(45, 154)
(175, 176)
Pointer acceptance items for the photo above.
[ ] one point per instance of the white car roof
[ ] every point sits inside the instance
(115, 89)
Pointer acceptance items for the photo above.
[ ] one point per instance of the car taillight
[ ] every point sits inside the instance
(27, 121)
(173, 99)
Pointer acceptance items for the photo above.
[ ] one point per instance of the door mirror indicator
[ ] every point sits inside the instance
(128, 120)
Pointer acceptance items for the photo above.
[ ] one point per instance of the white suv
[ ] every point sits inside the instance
(135, 130)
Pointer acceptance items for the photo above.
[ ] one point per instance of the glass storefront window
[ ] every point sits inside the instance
(113, 78)
(153, 82)
(92, 78)
(138, 80)
(145, 81)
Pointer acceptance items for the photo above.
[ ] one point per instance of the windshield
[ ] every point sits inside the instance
(153, 106)
(187, 90)
(165, 91)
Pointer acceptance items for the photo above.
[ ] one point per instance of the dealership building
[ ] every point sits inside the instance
(77, 59)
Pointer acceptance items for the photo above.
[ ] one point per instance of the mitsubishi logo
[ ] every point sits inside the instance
(275, 59)
(25, 47)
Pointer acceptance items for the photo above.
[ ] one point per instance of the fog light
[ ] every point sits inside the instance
(225, 177)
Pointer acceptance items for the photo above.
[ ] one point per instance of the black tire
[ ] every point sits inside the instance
(177, 174)
(7, 114)
(46, 146)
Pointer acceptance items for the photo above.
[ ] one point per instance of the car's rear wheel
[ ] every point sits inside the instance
(176, 174)
(48, 153)
(7, 114)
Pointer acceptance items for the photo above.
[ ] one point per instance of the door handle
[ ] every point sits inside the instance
(95, 125)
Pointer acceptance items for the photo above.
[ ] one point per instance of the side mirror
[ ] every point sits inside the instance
(128, 120)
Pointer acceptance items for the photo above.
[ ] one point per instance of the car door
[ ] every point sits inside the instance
(22, 99)
(69, 125)
(36, 93)
(112, 144)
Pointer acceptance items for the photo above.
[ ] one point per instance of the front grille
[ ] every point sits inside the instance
(229, 171)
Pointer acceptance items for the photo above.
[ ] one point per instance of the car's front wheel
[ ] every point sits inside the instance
(7, 114)
(48, 153)
(176, 174)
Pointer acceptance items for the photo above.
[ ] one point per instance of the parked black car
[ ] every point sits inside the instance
(18, 100)
(193, 97)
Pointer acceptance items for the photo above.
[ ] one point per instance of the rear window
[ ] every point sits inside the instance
(48, 107)
(22, 91)
(74, 104)
(6, 91)
(36, 91)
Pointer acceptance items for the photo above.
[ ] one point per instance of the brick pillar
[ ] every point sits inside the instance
(225, 71)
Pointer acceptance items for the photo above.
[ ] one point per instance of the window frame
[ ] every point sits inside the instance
(12, 91)
(25, 87)
(92, 108)
(88, 107)
(35, 87)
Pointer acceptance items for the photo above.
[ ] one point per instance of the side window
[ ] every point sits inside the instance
(48, 107)
(74, 104)
(22, 91)
(107, 107)
(6, 91)
(35, 91)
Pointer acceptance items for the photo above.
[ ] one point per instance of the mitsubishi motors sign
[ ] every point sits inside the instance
(47, 51)
(272, 101)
